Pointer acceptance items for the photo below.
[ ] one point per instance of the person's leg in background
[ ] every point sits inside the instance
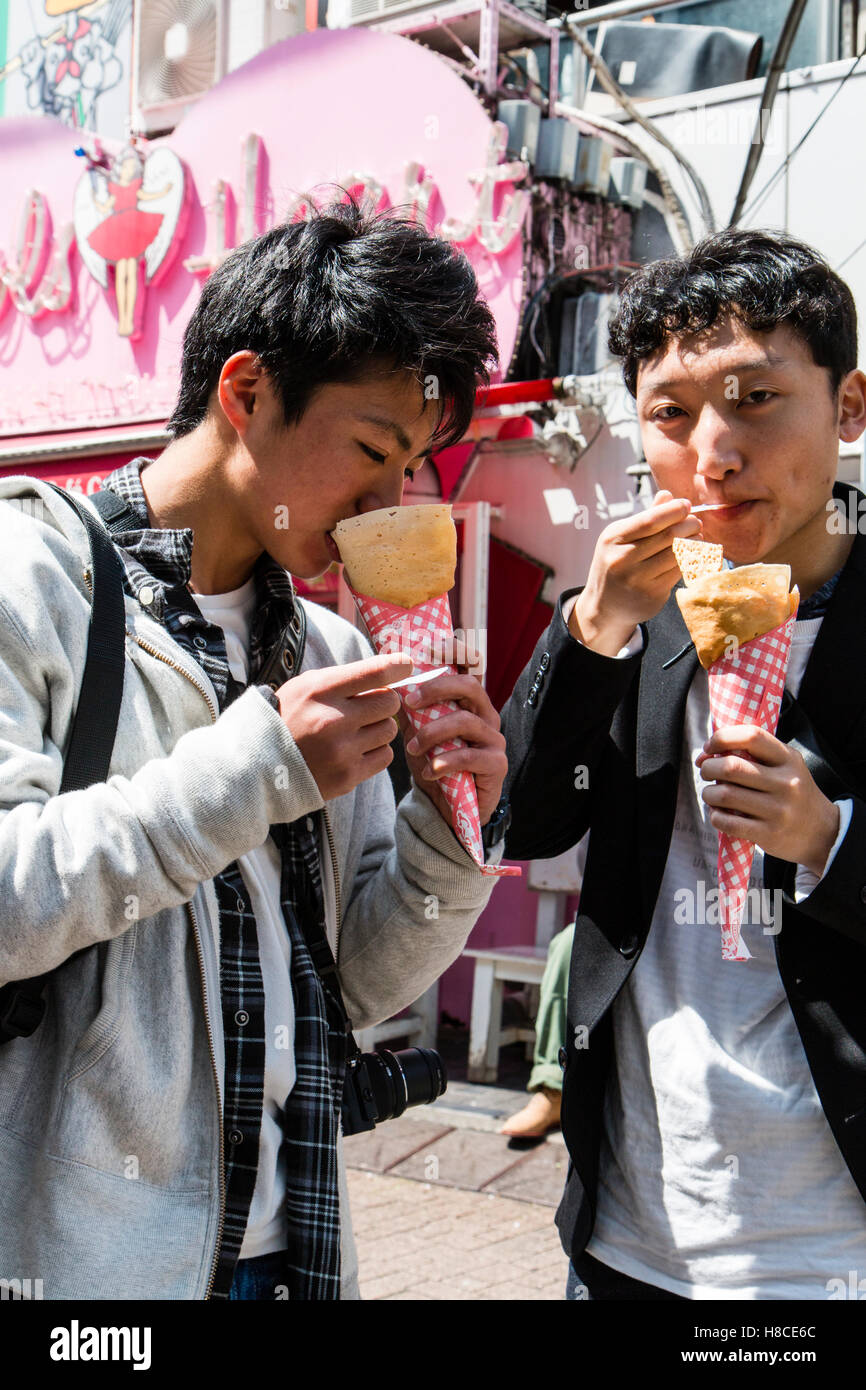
(545, 1080)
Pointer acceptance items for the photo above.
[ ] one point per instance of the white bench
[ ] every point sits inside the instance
(493, 966)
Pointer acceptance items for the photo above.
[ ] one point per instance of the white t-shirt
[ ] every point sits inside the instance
(719, 1176)
(260, 871)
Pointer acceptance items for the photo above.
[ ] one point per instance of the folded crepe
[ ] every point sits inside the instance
(401, 555)
(696, 558)
(739, 603)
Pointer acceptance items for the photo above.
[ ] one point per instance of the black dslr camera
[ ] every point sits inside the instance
(381, 1085)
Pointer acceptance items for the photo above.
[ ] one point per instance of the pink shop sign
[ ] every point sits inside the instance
(100, 267)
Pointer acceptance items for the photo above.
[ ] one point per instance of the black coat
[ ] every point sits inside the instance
(622, 719)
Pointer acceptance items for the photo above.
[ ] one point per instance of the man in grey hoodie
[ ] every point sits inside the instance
(171, 1129)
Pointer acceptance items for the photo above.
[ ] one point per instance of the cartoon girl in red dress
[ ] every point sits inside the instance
(125, 233)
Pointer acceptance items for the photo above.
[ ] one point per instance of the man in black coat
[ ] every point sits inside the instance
(714, 1111)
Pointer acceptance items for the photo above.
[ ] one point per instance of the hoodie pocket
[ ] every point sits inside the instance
(116, 958)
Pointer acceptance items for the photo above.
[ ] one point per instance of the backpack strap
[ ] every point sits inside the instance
(117, 514)
(88, 753)
(94, 725)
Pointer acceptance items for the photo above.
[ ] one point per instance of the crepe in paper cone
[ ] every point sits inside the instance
(403, 555)
(408, 556)
(746, 687)
(741, 621)
(724, 610)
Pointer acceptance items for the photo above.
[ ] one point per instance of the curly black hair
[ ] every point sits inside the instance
(765, 278)
(327, 299)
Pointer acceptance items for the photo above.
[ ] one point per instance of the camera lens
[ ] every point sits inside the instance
(413, 1076)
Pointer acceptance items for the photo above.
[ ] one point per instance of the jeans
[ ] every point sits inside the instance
(263, 1277)
(600, 1282)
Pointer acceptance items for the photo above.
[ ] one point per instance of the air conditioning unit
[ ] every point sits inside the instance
(181, 48)
(627, 182)
(583, 333)
(522, 120)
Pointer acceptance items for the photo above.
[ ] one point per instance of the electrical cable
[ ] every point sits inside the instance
(764, 192)
(768, 97)
(527, 80)
(536, 304)
(609, 82)
(857, 248)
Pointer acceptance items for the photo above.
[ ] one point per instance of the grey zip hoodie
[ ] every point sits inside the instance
(111, 1170)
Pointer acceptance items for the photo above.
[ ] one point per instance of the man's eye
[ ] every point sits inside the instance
(371, 453)
(760, 391)
(659, 416)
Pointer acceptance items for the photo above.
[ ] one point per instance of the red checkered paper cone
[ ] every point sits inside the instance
(746, 686)
(420, 633)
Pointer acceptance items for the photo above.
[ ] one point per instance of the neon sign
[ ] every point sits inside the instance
(24, 281)
(391, 123)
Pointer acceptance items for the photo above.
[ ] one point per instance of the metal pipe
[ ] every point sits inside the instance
(518, 392)
(619, 9)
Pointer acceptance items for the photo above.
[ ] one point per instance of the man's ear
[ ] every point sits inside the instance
(241, 383)
(852, 406)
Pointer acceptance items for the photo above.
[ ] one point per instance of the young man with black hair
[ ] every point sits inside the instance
(713, 1110)
(171, 1130)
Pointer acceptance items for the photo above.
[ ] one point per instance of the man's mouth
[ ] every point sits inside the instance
(724, 511)
(333, 548)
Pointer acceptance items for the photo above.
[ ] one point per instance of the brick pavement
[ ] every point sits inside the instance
(423, 1242)
(444, 1207)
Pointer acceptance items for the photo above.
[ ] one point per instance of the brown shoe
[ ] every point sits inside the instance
(540, 1114)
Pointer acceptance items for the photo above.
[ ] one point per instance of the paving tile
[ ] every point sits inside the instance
(385, 1284)
(452, 1293)
(452, 1245)
(380, 1148)
(463, 1158)
(541, 1278)
(539, 1178)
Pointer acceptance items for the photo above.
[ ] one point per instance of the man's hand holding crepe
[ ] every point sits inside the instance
(342, 719)
(632, 573)
(477, 723)
(763, 792)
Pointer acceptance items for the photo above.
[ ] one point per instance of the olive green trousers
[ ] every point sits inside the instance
(550, 1022)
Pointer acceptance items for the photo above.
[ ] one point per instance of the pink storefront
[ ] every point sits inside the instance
(103, 249)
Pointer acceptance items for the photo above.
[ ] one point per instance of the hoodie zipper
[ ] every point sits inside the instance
(161, 656)
(222, 1172)
(337, 904)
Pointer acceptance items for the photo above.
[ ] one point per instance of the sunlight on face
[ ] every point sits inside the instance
(351, 452)
(746, 419)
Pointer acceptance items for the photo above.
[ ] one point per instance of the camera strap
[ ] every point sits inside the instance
(326, 968)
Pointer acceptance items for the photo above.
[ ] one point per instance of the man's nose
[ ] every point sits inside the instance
(715, 444)
(388, 495)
